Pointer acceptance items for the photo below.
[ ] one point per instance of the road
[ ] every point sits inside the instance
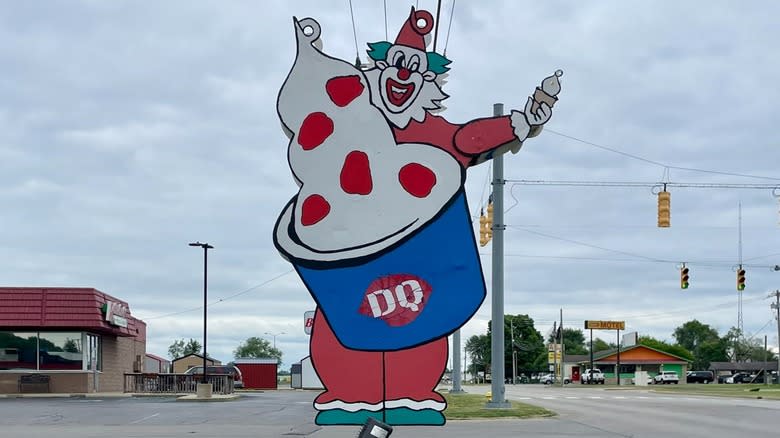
(583, 412)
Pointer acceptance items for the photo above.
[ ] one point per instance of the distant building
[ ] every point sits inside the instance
(156, 364)
(182, 364)
(66, 334)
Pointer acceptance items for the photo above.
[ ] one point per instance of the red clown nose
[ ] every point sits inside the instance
(413, 32)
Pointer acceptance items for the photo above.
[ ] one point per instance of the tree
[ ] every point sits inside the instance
(602, 345)
(478, 349)
(180, 348)
(742, 349)
(703, 341)
(528, 343)
(573, 341)
(674, 349)
(259, 348)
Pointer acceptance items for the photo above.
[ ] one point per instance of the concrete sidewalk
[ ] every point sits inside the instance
(104, 395)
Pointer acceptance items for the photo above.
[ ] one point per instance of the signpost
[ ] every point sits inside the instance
(606, 325)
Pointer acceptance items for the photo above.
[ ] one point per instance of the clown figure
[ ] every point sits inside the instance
(380, 231)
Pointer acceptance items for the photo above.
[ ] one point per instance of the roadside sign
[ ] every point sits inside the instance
(308, 321)
(605, 325)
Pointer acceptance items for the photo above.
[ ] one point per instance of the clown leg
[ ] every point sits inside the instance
(411, 377)
(352, 379)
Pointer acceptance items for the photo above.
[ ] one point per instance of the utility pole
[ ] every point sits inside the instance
(497, 342)
(563, 352)
(514, 353)
(776, 306)
(456, 376)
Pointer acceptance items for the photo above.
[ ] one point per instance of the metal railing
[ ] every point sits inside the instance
(152, 383)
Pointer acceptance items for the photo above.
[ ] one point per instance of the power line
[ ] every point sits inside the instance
(574, 183)
(270, 280)
(657, 163)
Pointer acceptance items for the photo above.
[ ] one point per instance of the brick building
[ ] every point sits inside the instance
(81, 338)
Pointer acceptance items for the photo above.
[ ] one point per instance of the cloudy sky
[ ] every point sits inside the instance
(128, 130)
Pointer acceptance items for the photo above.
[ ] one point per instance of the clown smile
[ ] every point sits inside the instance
(398, 93)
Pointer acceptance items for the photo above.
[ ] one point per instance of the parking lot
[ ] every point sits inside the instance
(583, 412)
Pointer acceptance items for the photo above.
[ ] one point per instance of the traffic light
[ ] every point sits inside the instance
(740, 279)
(664, 208)
(684, 277)
(483, 238)
(489, 227)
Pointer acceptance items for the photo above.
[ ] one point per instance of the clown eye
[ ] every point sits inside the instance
(400, 61)
(414, 63)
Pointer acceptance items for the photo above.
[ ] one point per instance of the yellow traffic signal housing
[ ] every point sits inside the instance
(483, 237)
(664, 209)
(740, 279)
(684, 277)
(489, 226)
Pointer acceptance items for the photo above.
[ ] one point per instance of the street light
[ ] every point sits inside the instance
(274, 336)
(206, 247)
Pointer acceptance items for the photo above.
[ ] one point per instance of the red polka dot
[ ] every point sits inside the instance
(315, 129)
(417, 179)
(356, 174)
(314, 209)
(344, 89)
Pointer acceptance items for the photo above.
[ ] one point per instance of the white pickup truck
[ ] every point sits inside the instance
(592, 377)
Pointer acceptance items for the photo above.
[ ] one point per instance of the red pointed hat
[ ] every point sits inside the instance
(413, 35)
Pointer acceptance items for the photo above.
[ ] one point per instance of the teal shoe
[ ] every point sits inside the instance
(340, 417)
(410, 417)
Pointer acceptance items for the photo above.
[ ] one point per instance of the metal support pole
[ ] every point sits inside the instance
(514, 353)
(563, 349)
(497, 342)
(456, 377)
(617, 366)
(205, 300)
(590, 378)
(206, 247)
(777, 308)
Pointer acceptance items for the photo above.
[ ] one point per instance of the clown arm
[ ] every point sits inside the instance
(482, 139)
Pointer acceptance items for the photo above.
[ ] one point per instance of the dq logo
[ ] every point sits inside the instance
(396, 299)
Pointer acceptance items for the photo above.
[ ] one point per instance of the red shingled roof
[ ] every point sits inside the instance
(61, 308)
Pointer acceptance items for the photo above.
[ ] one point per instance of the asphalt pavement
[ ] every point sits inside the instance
(582, 412)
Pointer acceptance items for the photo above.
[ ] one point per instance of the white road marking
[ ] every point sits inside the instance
(595, 397)
(573, 398)
(145, 418)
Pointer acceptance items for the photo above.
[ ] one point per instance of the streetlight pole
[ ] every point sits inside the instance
(274, 336)
(206, 247)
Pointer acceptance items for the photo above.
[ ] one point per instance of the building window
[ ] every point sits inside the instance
(49, 351)
(94, 353)
(61, 351)
(17, 350)
(627, 368)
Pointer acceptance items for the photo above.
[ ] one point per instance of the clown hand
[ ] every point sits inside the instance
(529, 123)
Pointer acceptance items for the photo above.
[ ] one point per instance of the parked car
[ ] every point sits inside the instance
(700, 377)
(593, 376)
(238, 380)
(548, 379)
(666, 377)
(739, 378)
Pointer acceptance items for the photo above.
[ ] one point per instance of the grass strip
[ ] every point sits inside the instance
(472, 406)
(736, 390)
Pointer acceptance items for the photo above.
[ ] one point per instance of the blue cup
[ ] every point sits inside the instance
(442, 256)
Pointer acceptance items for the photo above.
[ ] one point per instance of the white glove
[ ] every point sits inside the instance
(529, 124)
(542, 115)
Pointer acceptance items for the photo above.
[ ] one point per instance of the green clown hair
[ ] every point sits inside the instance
(436, 63)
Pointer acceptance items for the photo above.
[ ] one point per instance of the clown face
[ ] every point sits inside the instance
(402, 77)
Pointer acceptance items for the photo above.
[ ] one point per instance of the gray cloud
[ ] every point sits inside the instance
(127, 132)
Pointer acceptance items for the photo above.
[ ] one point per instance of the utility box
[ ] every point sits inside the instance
(295, 376)
(640, 378)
